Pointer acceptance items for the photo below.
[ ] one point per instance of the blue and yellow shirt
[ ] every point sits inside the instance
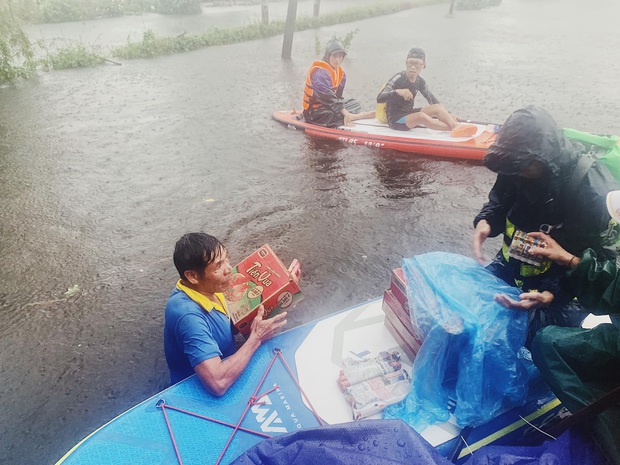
(195, 329)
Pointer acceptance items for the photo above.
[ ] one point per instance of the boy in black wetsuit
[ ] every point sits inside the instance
(400, 91)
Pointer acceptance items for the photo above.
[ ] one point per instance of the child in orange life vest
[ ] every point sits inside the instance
(323, 103)
(399, 94)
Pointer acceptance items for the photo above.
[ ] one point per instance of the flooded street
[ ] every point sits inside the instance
(103, 169)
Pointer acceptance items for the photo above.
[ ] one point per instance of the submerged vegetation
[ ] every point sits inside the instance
(476, 4)
(17, 55)
(154, 45)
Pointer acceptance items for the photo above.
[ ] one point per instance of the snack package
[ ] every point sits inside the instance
(261, 279)
(385, 363)
(374, 395)
(521, 246)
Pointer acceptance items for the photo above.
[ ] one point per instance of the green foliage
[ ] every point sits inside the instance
(74, 56)
(153, 45)
(182, 7)
(55, 11)
(16, 59)
(476, 4)
(346, 42)
(16, 55)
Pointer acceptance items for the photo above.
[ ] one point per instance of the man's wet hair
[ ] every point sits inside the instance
(196, 251)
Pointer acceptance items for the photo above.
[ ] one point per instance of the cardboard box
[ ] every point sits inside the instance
(261, 278)
(400, 337)
(392, 305)
(398, 286)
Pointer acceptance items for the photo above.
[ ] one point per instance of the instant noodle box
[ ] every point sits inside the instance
(259, 279)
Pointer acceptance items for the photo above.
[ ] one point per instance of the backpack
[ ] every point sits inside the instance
(603, 148)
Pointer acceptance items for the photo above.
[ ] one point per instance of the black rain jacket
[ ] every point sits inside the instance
(576, 212)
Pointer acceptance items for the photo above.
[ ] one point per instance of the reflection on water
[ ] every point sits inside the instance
(101, 170)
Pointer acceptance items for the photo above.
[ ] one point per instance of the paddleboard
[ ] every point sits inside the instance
(292, 381)
(373, 133)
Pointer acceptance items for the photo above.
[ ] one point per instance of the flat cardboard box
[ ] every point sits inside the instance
(391, 304)
(398, 286)
(398, 335)
(409, 337)
(260, 279)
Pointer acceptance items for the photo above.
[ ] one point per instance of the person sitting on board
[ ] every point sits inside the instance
(545, 182)
(198, 333)
(323, 103)
(581, 365)
(398, 95)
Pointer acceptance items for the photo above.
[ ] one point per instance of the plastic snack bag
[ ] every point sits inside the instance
(522, 244)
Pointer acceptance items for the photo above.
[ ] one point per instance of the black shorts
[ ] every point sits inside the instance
(399, 124)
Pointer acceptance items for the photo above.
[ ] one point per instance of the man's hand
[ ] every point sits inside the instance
(295, 270)
(406, 94)
(348, 122)
(527, 300)
(266, 329)
(553, 250)
(481, 233)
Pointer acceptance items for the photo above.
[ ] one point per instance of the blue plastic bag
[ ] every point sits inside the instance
(472, 353)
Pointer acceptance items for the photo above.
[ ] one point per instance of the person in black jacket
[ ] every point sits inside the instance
(399, 94)
(543, 186)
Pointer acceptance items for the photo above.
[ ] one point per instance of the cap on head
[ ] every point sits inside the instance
(613, 205)
(416, 52)
(333, 46)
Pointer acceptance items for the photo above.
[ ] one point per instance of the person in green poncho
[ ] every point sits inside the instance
(582, 365)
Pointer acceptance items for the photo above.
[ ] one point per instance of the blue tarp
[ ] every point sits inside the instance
(393, 442)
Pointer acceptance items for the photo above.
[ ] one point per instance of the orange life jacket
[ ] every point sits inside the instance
(336, 75)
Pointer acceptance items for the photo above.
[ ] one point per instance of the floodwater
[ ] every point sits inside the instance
(103, 169)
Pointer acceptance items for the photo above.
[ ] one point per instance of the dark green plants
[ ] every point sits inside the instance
(16, 58)
(154, 45)
(476, 4)
(184, 7)
(346, 41)
(76, 55)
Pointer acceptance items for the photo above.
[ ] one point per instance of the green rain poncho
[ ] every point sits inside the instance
(582, 365)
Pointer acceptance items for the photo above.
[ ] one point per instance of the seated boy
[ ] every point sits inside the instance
(399, 94)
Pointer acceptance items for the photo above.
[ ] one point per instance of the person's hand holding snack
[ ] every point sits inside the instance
(553, 251)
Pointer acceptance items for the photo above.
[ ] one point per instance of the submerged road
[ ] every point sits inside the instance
(103, 169)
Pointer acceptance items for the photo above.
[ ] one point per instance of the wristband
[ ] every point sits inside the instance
(571, 261)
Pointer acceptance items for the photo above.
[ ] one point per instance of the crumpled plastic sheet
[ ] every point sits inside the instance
(472, 351)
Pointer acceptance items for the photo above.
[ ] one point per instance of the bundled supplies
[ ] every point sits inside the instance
(370, 386)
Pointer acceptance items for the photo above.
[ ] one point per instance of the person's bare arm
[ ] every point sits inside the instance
(483, 229)
(218, 375)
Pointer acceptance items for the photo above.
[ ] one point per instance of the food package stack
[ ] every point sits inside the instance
(397, 316)
(261, 279)
(369, 386)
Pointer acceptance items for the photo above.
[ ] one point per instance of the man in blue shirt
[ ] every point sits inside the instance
(198, 336)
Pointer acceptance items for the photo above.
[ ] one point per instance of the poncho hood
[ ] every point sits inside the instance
(530, 134)
(333, 46)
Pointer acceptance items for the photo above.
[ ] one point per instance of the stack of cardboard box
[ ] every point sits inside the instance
(397, 316)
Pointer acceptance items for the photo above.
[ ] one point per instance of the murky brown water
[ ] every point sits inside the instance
(101, 170)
